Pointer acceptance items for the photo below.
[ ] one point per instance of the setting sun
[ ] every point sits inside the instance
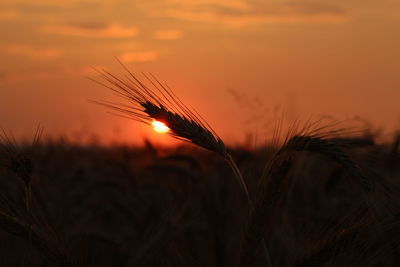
(160, 127)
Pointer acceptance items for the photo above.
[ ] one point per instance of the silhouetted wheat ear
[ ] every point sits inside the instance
(159, 102)
(333, 151)
(18, 161)
(185, 129)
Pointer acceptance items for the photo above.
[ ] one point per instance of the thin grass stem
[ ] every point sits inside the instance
(239, 176)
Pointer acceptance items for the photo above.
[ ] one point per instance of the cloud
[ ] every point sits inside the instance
(242, 13)
(53, 3)
(168, 34)
(47, 73)
(28, 75)
(237, 4)
(8, 15)
(244, 20)
(142, 56)
(113, 30)
(33, 53)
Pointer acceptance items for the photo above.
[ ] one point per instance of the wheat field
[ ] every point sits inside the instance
(317, 195)
(146, 206)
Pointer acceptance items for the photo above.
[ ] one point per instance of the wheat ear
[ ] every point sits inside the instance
(333, 151)
(157, 101)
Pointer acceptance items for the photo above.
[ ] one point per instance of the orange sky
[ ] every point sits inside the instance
(238, 62)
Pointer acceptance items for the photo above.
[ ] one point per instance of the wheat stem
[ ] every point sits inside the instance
(28, 198)
(242, 182)
(239, 176)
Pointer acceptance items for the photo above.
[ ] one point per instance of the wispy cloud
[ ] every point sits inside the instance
(244, 20)
(53, 3)
(8, 15)
(46, 73)
(32, 52)
(242, 13)
(113, 30)
(236, 4)
(142, 56)
(168, 34)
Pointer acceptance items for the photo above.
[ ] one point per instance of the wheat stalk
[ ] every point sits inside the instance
(21, 163)
(158, 102)
(276, 178)
(18, 161)
(266, 209)
(29, 227)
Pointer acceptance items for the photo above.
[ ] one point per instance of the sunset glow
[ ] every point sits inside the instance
(160, 127)
(238, 63)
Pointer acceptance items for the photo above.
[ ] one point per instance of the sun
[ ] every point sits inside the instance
(160, 127)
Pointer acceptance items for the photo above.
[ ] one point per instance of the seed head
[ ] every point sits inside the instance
(156, 101)
(333, 151)
(16, 159)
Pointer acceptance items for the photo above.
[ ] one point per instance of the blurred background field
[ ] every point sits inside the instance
(181, 206)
